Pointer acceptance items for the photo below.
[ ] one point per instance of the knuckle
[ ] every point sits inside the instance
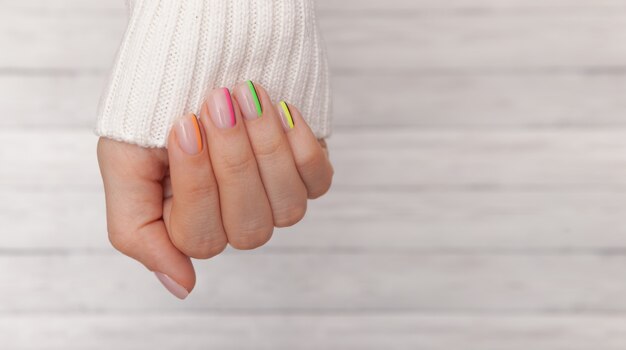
(323, 185)
(320, 191)
(240, 162)
(200, 190)
(310, 162)
(197, 239)
(252, 240)
(203, 249)
(120, 240)
(291, 215)
(270, 148)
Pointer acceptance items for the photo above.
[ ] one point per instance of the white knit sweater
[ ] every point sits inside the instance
(174, 51)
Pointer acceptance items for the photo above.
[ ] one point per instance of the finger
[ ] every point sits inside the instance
(284, 187)
(311, 160)
(134, 198)
(195, 223)
(246, 212)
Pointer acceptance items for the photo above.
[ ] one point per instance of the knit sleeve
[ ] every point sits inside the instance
(174, 51)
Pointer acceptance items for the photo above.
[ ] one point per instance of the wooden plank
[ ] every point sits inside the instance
(355, 6)
(71, 159)
(481, 160)
(217, 332)
(54, 7)
(67, 41)
(56, 101)
(288, 332)
(310, 282)
(459, 101)
(476, 101)
(465, 7)
(491, 44)
(71, 41)
(359, 222)
(460, 238)
(392, 159)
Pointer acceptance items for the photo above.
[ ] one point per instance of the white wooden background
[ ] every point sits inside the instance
(480, 197)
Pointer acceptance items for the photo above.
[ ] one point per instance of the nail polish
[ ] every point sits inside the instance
(221, 108)
(176, 289)
(286, 116)
(251, 105)
(189, 135)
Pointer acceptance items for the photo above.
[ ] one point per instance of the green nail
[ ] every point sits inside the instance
(257, 103)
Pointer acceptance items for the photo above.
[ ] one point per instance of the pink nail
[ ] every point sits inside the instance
(176, 289)
(221, 108)
(189, 135)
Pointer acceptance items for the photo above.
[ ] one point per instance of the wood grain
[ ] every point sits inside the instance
(458, 101)
(42, 40)
(318, 283)
(478, 203)
(286, 332)
(415, 160)
(513, 222)
(546, 6)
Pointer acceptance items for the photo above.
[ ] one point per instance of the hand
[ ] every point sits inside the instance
(245, 167)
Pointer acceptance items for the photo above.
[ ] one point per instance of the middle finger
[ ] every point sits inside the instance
(246, 212)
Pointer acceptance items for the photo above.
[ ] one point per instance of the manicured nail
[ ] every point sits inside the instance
(251, 105)
(176, 289)
(189, 135)
(285, 114)
(220, 104)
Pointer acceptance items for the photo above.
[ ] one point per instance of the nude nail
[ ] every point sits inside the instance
(189, 135)
(176, 289)
(249, 102)
(285, 115)
(221, 109)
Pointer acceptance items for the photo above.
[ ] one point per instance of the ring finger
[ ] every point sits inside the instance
(283, 185)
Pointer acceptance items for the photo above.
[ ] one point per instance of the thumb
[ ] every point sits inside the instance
(133, 187)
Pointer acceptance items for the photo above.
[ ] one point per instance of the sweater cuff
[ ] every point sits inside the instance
(175, 51)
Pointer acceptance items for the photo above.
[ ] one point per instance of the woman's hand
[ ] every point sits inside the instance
(241, 169)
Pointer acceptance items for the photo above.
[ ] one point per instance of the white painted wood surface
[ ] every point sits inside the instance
(326, 331)
(479, 200)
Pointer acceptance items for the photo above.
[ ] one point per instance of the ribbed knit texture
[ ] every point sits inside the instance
(175, 51)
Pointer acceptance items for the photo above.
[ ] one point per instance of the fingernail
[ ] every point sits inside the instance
(220, 104)
(189, 135)
(176, 289)
(251, 105)
(285, 114)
